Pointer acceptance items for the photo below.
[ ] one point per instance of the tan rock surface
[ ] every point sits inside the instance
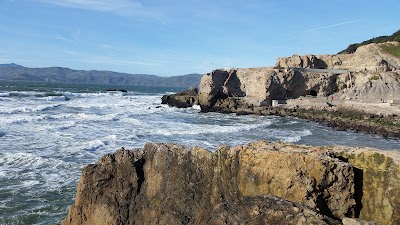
(380, 172)
(171, 184)
(261, 183)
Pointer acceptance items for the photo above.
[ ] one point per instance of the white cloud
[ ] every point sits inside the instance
(332, 25)
(98, 5)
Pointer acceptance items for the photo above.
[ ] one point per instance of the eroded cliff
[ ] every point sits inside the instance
(261, 183)
(369, 73)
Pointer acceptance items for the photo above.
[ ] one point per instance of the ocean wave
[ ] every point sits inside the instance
(22, 160)
(96, 144)
(196, 107)
(29, 109)
(295, 136)
(178, 128)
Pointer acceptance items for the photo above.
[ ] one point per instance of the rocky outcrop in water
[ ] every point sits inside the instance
(184, 99)
(261, 183)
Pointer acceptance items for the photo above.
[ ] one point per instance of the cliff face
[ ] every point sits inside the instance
(374, 74)
(261, 183)
(259, 86)
(369, 58)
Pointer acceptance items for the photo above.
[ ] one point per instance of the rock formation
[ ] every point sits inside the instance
(259, 86)
(372, 74)
(183, 99)
(375, 74)
(261, 183)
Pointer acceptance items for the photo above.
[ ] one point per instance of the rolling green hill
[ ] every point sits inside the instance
(394, 37)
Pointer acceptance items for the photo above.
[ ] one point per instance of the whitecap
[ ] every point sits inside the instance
(296, 136)
(57, 98)
(197, 107)
(5, 94)
(177, 128)
(33, 109)
(96, 144)
(29, 183)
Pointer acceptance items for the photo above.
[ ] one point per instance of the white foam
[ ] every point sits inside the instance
(296, 137)
(178, 128)
(197, 107)
(27, 109)
(29, 183)
(57, 98)
(93, 145)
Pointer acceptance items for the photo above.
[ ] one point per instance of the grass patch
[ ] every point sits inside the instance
(374, 77)
(391, 49)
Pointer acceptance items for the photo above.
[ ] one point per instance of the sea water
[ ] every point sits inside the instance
(49, 132)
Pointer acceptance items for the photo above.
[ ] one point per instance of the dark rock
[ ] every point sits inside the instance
(183, 99)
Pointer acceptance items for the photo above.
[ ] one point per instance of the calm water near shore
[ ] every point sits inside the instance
(49, 132)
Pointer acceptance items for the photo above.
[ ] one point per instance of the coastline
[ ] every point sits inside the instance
(340, 117)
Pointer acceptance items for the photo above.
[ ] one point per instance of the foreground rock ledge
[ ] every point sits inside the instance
(261, 183)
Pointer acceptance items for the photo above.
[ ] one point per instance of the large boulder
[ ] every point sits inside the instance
(183, 99)
(261, 183)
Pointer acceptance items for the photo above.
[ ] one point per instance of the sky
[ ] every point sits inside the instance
(171, 37)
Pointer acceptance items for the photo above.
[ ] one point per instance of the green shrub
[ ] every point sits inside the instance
(392, 49)
(353, 47)
(374, 77)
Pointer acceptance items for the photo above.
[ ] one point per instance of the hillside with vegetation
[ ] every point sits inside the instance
(394, 50)
(14, 72)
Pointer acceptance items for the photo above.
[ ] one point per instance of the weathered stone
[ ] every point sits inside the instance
(379, 192)
(171, 184)
(259, 86)
(350, 221)
(184, 99)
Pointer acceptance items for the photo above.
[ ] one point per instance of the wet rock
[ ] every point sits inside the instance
(184, 99)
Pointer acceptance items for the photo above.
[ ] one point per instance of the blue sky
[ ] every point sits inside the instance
(170, 37)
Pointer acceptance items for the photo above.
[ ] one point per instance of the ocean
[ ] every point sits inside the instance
(49, 132)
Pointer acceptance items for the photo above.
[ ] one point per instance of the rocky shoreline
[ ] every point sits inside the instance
(259, 183)
(386, 126)
(262, 182)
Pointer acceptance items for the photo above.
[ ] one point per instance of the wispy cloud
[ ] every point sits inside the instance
(120, 62)
(332, 25)
(109, 60)
(98, 5)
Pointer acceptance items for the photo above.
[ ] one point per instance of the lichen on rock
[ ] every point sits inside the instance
(259, 183)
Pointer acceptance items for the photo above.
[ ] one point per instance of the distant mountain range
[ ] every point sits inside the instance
(14, 72)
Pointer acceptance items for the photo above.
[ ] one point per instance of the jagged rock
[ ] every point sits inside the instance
(259, 86)
(184, 99)
(172, 184)
(379, 192)
(350, 221)
(367, 58)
